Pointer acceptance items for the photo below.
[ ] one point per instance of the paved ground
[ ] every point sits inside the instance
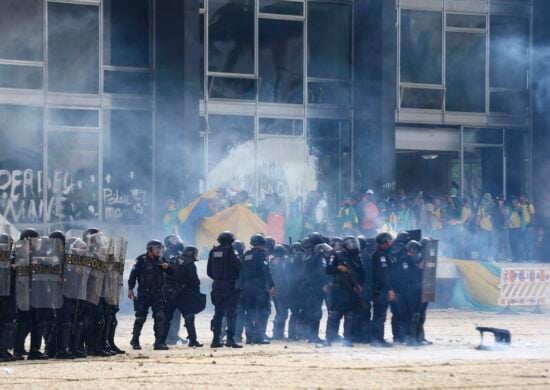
(451, 363)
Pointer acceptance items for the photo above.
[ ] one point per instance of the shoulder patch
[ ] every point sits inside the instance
(217, 255)
(249, 257)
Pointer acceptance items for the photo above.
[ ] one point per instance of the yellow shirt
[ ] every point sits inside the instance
(436, 220)
(514, 220)
(466, 214)
(485, 221)
(528, 212)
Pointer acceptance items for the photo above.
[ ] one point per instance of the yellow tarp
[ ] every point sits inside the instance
(479, 282)
(184, 213)
(237, 219)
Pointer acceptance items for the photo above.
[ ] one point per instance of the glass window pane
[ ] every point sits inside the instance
(281, 126)
(466, 21)
(281, 7)
(231, 152)
(329, 92)
(17, 76)
(509, 43)
(21, 153)
(281, 61)
(135, 83)
(21, 23)
(509, 102)
(128, 156)
(73, 118)
(231, 88)
(201, 55)
(465, 72)
(329, 140)
(73, 51)
(127, 35)
(73, 166)
(329, 40)
(231, 36)
(421, 98)
(421, 47)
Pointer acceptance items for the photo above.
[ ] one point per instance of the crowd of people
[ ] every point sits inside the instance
(489, 228)
(356, 278)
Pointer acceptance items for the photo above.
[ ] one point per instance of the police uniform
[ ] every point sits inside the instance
(381, 285)
(256, 282)
(344, 297)
(224, 268)
(280, 271)
(181, 289)
(148, 274)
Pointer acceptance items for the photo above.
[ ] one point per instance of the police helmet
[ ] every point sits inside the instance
(153, 243)
(58, 234)
(279, 250)
(191, 251)
(383, 239)
(172, 241)
(351, 243)
(414, 250)
(29, 233)
(257, 240)
(226, 238)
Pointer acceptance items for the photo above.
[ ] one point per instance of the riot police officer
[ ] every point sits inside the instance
(174, 248)
(30, 320)
(313, 288)
(382, 291)
(362, 328)
(94, 311)
(257, 286)
(280, 271)
(7, 297)
(344, 297)
(60, 337)
(240, 248)
(398, 275)
(148, 273)
(182, 292)
(296, 276)
(224, 267)
(265, 312)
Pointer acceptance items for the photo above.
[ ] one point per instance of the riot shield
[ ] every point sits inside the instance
(98, 251)
(46, 273)
(415, 234)
(76, 270)
(22, 280)
(6, 244)
(113, 282)
(429, 269)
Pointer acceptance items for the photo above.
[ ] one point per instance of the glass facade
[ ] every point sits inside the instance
(76, 123)
(276, 65)
(464, 67)
(277, 89)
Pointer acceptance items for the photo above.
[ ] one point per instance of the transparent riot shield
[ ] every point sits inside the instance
(6, 244)
(98, 252)
(22, 280)
(113, 282)
(429, 269)
(46, 273)
(76, 270)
